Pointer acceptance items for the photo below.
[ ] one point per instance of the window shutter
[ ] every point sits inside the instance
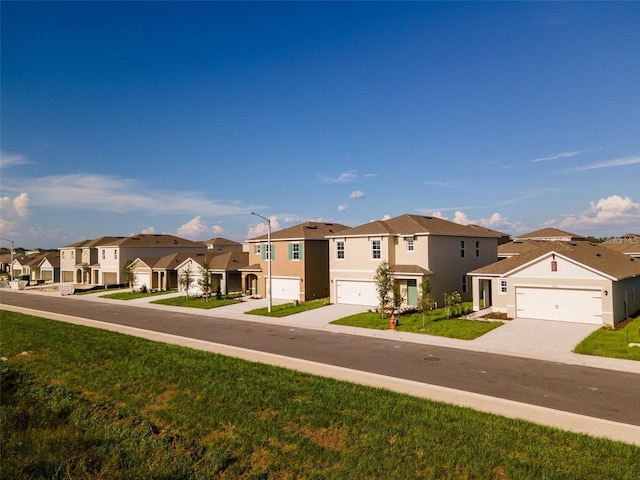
(290, 251)
(300, 250)
(272, 251)
(263, 253)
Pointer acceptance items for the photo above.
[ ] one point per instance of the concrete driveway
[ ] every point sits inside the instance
(541, 337)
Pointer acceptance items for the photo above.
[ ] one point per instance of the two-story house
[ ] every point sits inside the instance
(299, 262)
(415, 246)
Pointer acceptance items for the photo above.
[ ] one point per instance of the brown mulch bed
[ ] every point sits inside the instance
(497, 316)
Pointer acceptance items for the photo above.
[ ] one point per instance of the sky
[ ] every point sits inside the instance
(120, 118)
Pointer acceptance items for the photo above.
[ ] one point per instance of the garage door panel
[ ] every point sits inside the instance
(568, 305)
(286, 288)
(142, 279)
(356, 293)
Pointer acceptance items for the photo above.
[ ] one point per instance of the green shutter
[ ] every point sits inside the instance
(300, 250)
(263, 253)
(290, 251)
(272, 250)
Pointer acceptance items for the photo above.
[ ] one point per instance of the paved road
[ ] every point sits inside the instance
(587, 391)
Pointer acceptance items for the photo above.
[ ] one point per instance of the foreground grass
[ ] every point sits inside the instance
(436, 323)
(196, 302)
(132, 295)
(285, 309)
(613, 343)
(86, 403)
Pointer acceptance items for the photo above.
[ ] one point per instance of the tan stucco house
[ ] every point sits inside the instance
(223, 267)
(299, 262)
(562, 281)
(415, 246)
(100, 261)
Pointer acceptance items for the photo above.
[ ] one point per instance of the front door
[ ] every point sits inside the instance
(412, 292)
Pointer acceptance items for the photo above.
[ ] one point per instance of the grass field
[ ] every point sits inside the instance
(286, 309)
(196, 302)
(613, 343)
(436, 323)
(129, 295)
(86, 403)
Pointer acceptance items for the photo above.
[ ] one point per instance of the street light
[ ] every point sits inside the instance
(269, 255)
(11, 267)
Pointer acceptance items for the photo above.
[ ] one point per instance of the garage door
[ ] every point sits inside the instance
(356, 293)
(286, 288)
(142, 279)
(583, 306)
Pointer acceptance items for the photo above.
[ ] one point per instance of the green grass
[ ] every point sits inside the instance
(613, 343)
(285, 309)
(86, 403)
(133, 295)
(436, 323)
(197, 302)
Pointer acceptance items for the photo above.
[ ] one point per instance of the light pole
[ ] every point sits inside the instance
(269, 255)
(11, 266)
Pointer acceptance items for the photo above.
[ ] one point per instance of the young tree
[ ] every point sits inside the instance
(425, 302)
(384, 285)
(453, 303)
(128, 274)
(186, 280)
(205, 280)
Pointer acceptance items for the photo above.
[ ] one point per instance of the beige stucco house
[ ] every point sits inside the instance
(223, 267)
(562, 281)
(221, 245)
(415, 246)
(100, 261)
(299, 263)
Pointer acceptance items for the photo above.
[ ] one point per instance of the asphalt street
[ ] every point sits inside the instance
(593, 392)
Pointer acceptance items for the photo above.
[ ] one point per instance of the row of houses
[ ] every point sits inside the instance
(548, 274)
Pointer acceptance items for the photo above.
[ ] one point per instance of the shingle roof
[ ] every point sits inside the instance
(418, 224)
(595, 256)
(628, 244)
(229, 261)
(550, 232)
(518, 247)
(150, 240)
(304, 231)
(410, 269)
(221, 241)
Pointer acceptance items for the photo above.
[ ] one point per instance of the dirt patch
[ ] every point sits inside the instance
(331, 438)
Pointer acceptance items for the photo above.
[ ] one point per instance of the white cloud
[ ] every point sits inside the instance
(261, 228)
(291, 219)
(496, 221)
(194, 228)
(217, 229)
(119, 195)
(342, 178)
(14, 212)
(343, 207)
(617, 162)
(357, 194)
(149, 231)
(386, 217)
(10, 160)
(557, 156)
(613, 210)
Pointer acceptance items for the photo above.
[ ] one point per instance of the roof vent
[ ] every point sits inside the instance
(598, 254)
(572, 244)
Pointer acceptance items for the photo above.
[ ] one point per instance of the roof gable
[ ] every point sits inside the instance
(303, 231)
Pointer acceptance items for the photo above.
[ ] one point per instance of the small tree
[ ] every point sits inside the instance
(186, 280)
(384, 285)
(453, 303)
(425, 303)
(128, 274)
(205, 280)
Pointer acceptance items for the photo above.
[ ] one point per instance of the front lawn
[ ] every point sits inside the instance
(197, 302)
(285, 309)
(79, 403)
(436, 323)
(133, 295)
(613, 343)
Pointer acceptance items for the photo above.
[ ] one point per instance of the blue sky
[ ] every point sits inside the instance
(183, 118)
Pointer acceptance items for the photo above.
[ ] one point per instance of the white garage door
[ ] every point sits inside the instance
(356, 293)
(142, 279)
(583, 306)
(286, 288)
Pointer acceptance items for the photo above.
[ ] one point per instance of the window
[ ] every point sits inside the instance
(376, 249)
(268, 249)
(71, 254)
(464, 284)
(115, 254)
(503, 286)
(477, 248)
(104, 255)
(256, 248)
(340, 250)
(295, 251)
(62, 253)
(409, 245)
(462, 248)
